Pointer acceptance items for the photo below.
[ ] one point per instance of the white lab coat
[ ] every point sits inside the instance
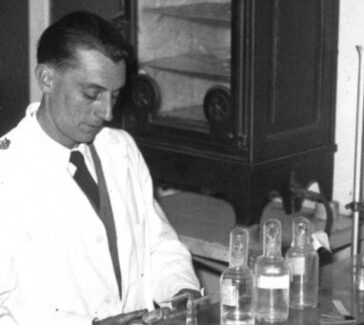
(55, 265)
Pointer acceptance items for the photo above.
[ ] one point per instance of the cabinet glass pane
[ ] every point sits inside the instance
(185, 47)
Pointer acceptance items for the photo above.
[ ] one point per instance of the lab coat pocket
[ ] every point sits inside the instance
(139, 239)
(143, 251)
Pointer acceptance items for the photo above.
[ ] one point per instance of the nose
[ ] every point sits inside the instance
(106, 109)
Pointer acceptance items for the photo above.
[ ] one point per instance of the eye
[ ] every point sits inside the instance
(91, 94)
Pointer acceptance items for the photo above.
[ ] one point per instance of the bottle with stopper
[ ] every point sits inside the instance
(272, 276)
(303, 262)
(237, 283)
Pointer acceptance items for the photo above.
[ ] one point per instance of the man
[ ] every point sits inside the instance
(68, 256)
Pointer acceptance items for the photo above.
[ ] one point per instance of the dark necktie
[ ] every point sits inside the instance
(98, 196)
(85, 180)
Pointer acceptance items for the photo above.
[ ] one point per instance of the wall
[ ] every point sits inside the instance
(38, 21)
(104, 8)
(14, 94)
(351, 32)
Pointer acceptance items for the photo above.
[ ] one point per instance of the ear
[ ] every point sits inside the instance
(45, 75)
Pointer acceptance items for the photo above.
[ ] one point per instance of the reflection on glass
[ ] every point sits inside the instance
(185, 47)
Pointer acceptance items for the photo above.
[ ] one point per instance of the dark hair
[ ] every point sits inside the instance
(81, 29)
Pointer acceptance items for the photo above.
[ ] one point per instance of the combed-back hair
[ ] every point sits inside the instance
(77, 30)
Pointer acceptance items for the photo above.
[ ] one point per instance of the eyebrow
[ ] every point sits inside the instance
(99, 87)
(92, 85)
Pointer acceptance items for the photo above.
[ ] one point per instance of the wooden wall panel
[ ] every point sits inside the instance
(14, 62)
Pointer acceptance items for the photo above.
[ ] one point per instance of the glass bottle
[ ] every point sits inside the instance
(303, 262)
(272, 276)
(237, 283)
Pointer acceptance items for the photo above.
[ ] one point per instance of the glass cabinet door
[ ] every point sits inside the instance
(184, 54)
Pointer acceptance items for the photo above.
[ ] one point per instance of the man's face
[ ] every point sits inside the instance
(81, 99)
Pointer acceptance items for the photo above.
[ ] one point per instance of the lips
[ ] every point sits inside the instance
(92, 127)
(95, 125)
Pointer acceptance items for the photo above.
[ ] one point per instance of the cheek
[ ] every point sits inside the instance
(73, 106)
(65, 111)
(68, 92)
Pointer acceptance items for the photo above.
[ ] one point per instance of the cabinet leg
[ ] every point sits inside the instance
(248, 210)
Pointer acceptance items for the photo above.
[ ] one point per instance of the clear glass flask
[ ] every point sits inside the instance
(237, 283)
(272, 276)
(303, 262)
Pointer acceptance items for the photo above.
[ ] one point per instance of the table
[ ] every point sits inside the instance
(203, 224)
(337, 281)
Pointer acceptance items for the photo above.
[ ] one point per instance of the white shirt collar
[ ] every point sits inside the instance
(57, 150)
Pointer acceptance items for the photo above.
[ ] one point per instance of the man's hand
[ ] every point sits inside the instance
(121, 319)
(190, 293)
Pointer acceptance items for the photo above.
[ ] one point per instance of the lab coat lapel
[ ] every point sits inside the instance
(49, 174)
(61, 195)
(129, 223)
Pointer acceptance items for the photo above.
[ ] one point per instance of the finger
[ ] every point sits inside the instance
(191, 293)
(125, 318)
(188, 294)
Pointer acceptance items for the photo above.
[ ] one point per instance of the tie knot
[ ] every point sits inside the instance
(77, 159)
(84, 179)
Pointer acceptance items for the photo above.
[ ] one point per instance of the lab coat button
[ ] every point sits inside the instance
(99, 239)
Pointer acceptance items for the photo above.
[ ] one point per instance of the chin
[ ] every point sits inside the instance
(89, 137)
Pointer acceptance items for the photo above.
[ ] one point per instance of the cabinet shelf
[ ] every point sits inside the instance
(202, 66)
(216, 14)
(191, 113)
(191, 118)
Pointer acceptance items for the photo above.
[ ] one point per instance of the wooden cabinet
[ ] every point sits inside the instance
(234, 96)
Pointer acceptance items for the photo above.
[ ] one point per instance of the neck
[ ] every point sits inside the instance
(47, 124)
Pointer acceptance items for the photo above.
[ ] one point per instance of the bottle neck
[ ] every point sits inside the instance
(236, 261)
(272, 249)
(301, 233)
(238, 248)
(272, 232)
(300, 241)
